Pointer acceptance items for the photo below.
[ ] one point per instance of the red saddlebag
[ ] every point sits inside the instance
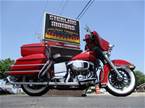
(34, 48)
(31, 64)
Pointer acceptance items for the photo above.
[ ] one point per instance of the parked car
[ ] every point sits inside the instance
(5, 91)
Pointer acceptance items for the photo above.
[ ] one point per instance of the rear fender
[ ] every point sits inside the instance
(106, 69)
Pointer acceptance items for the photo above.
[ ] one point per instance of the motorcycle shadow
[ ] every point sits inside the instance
(65, 93)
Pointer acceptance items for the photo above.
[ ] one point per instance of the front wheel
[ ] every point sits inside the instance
(33, 90)
(121, 87)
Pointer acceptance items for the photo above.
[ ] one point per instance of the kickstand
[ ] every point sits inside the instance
(85, 92)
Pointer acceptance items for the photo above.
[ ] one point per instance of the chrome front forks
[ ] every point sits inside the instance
(112, 65)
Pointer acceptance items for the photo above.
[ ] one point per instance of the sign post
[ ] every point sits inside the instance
(61, 29)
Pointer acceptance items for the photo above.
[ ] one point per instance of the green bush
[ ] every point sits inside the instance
(140, 77)
(5, 66)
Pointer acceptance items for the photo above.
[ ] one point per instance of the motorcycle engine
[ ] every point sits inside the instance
(81, 69)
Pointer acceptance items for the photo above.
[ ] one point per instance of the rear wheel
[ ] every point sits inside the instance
(121, 87)
(33, 90)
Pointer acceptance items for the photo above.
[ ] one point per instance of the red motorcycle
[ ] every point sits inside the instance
(38, 71)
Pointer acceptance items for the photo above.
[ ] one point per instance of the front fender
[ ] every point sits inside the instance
(106, 69)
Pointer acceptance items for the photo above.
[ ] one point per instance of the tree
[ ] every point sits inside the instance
(5, 66)
(140, 77)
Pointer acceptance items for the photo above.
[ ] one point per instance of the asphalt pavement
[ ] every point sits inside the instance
(91, 101)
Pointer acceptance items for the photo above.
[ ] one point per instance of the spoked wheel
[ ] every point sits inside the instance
(33, 90)
(121, 87)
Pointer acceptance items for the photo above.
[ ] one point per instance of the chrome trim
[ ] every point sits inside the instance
(29, 65)
(68, 77)
(79, 65)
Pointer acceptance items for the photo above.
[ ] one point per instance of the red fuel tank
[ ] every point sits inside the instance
(87, 56)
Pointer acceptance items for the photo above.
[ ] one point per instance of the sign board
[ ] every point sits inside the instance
(61, 29)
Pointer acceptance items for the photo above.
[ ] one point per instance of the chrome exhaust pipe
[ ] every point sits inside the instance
(86, 80)
(43, 83)
(63, 83)
(25, 83)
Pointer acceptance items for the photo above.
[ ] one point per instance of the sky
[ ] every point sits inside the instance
(121, 22)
